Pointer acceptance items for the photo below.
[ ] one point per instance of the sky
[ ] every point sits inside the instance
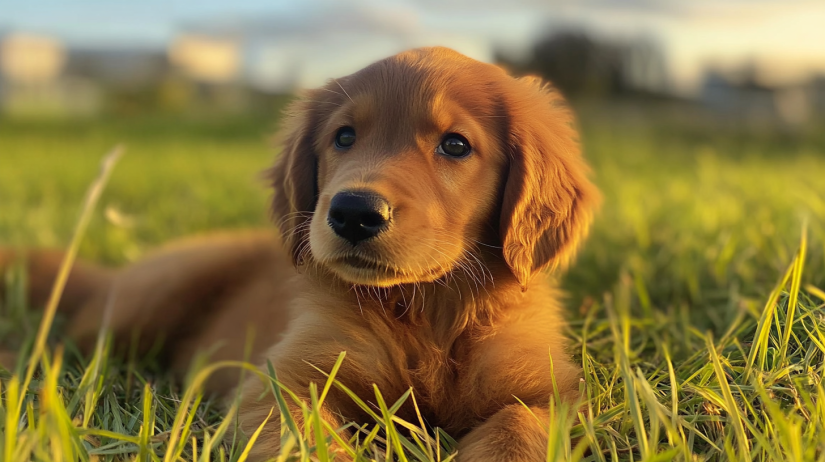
(785, 39)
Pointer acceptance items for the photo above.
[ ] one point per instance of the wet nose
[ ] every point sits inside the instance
(358, 215)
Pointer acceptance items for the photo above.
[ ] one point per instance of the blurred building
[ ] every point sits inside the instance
(728, 95)
(27, 59)
(34, 81)
(205, 58)
(739, 95)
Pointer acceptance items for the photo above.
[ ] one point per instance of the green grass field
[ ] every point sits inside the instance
(699, 323)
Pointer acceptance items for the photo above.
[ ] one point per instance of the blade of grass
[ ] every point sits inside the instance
(393, 440)
(734, 416)
(147, 429)
(92, 197)
(192, 394)
(12, 417)
(796, 278)
(286, 416)
(321, 451)
(253, 438)
(759, 346)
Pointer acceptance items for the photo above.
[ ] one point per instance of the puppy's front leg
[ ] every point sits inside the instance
(512, 434)
(312, 344)
(257, 401)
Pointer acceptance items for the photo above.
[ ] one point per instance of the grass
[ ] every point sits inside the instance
(696, 306)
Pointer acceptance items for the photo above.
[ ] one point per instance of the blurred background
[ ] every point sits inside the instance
(750, 62)
(703, 120)
(761, 61)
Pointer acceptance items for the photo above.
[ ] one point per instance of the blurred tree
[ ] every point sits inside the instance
(579, 65)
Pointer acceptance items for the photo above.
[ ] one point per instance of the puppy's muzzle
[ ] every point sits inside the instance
(358, 215)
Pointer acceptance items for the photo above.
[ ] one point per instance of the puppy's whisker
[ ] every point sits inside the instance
(466, 267)
(332, 91)
(470, 273)
(446, 272)
(304, 250)
(357, 298)
(342, 89)
(467, 251)
(485, 245)
(412, 296)
(301, 227)
(286, 218)
(379, 299)
(485, 271)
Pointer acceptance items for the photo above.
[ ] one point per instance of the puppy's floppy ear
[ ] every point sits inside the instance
(294, 176)
(548, 200)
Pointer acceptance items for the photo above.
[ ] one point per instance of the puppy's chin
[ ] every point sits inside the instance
(368, 272)
(369, 264)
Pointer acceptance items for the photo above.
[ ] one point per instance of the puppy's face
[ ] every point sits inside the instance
(396, 174)
(406, 183)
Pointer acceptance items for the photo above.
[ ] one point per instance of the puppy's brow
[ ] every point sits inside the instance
(437, 103)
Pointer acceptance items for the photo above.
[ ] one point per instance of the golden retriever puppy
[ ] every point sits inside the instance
(418, 199)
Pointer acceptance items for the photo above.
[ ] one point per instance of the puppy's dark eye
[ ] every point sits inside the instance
(345, 137)
(454, 145)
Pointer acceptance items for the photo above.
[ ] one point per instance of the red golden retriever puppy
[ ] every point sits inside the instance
(419, 199)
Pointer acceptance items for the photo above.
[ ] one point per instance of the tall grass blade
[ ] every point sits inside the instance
(793, 298)
(253, 438)
(734, 416)
(759, 346)
(92, 196)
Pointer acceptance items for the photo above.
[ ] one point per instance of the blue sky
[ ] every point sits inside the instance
(143, 22)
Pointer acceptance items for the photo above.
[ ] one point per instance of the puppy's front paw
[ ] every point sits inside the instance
(512, 434)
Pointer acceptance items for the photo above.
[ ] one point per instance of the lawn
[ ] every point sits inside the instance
(699, 323)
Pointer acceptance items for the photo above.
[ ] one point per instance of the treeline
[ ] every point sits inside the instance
(583, 65)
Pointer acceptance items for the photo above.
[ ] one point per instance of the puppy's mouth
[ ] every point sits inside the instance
(358, 269)
(362, 263)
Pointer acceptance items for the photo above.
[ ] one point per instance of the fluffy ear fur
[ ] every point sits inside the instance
(294, 177)
(548, 200)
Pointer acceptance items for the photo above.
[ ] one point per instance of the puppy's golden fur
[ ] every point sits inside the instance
(442, 301)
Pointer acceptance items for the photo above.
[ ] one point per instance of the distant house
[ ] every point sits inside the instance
(43, 77)
(27, 59)
(34, 80)
(725, 95)
(743, 98)
(205, 58)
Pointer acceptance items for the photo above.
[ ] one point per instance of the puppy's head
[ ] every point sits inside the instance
(397, 173)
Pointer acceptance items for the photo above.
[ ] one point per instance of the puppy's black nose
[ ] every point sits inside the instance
(358, 215)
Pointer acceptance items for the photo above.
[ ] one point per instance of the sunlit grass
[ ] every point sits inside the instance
(697, 309)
